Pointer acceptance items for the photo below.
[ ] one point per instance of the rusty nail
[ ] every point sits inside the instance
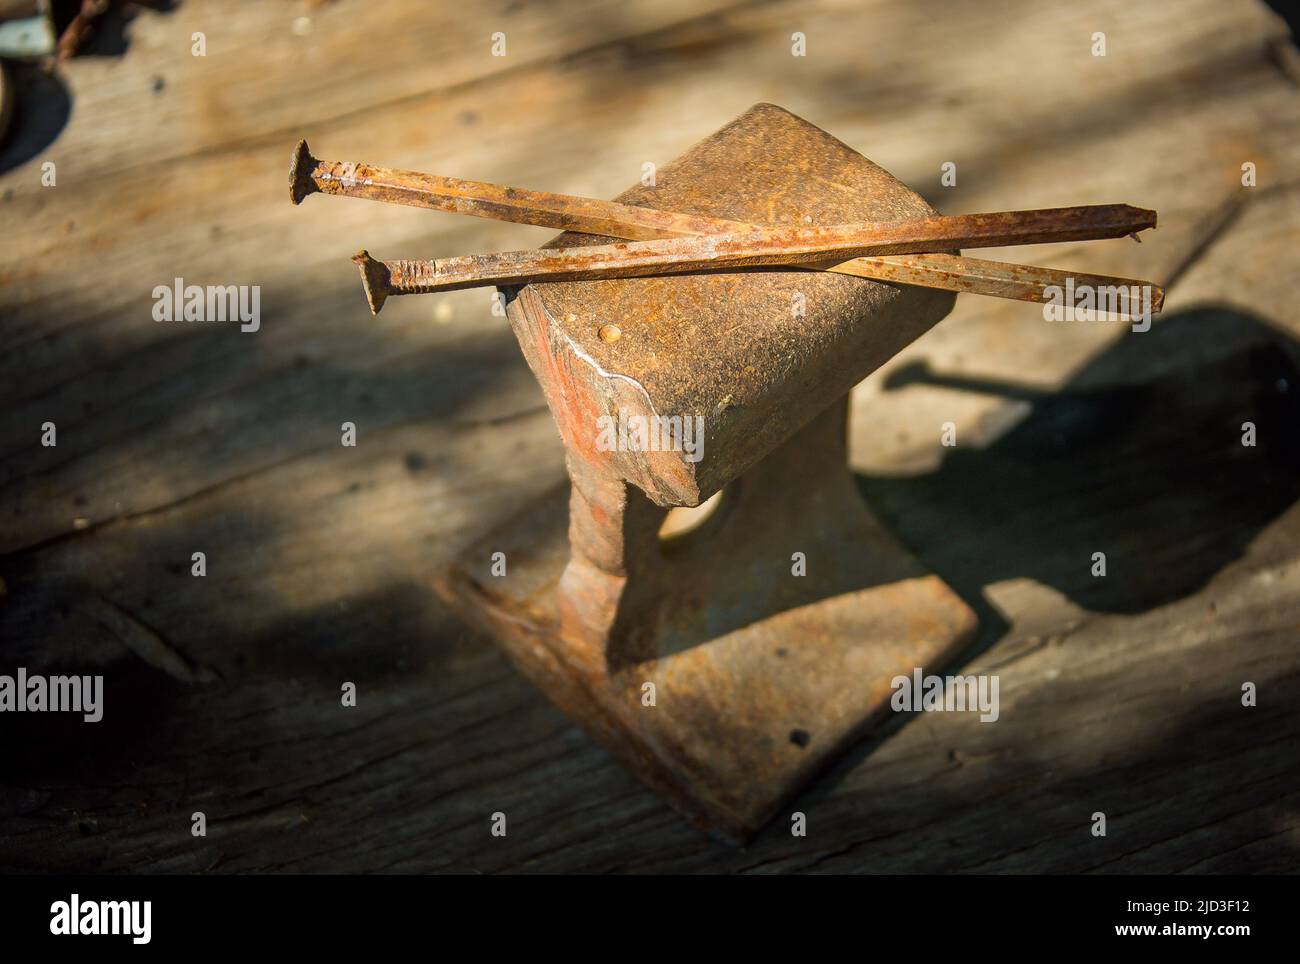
(948, 272)
(801, 246)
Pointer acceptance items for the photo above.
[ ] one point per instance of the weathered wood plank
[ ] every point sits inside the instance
(197, 388)
(1120, 695)
(268, 68)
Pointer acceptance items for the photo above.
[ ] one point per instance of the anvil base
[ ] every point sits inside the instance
(761, 676)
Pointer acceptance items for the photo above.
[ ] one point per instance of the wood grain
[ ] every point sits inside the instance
(1120, 695)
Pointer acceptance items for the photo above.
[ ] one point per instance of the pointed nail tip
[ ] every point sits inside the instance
(300, 182)
(1146, 216)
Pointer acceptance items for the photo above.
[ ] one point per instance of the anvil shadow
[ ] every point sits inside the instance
(1141, 456)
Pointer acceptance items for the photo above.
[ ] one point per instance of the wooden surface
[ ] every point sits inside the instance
(1119, 695)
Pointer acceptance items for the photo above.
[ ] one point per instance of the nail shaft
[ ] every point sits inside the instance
(611, 219)
(999, 278)
(759, 247)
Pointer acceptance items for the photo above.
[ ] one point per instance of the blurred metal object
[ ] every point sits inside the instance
(81, 28)
(27, 29)
(33, 29)
(6, 101)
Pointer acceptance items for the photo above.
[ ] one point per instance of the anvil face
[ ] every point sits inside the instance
(756, 355)
(727, 666)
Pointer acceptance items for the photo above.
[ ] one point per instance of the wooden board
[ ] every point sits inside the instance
(1119, 695)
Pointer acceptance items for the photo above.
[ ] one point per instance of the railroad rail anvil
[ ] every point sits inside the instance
(727, 664)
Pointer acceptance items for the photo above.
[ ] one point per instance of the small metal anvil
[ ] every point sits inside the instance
(727, 664)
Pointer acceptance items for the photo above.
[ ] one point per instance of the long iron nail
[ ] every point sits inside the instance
(308, 175)
(782, 247)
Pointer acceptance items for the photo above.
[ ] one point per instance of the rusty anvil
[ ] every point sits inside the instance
(760, 676)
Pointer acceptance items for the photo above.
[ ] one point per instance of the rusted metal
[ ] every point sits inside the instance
(1015, 281)
(6, 100)
(723, 676)
(309, 175)
(759, 676)
(81, 28)
(764, 247)
(564, 212)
